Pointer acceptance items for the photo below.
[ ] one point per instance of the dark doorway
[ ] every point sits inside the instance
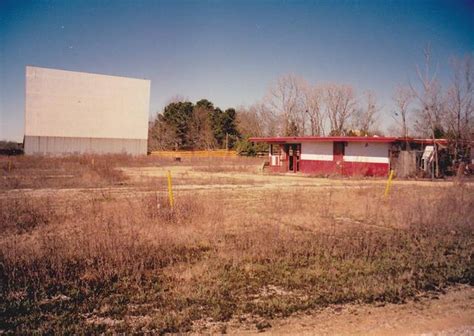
(338, 152)
(294, 153)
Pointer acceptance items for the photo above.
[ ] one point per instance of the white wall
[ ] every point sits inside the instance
(76, 104)
(367, 152)
(320, 151)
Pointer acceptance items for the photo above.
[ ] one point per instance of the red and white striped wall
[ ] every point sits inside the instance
(364, 156)
(365, 159)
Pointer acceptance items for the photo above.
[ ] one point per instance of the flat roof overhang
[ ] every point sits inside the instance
(424, 141)
(323, 139)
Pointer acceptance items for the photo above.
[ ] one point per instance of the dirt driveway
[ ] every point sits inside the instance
(199, 176)
(448, 314)
(204, 179)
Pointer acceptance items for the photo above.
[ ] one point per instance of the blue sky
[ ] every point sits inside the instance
(228, 51)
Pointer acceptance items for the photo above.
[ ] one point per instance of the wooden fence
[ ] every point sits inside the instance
(198, 154)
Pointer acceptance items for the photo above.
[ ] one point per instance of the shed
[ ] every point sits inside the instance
(344, 155)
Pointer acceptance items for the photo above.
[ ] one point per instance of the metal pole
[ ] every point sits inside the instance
(170, 190)
(389, 183)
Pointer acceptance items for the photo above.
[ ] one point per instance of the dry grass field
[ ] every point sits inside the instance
(91, 245)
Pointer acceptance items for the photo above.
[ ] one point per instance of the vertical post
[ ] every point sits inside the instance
(389, 183)
(9, 165)
(170, 190)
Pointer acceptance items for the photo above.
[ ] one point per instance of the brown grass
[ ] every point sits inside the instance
(86, 171)
(136, 265)
(61, 172)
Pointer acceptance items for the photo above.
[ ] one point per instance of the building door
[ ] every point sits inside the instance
(338, 152)
(294, 153)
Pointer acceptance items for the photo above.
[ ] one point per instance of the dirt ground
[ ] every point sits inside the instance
(204, 179)
(448, 314)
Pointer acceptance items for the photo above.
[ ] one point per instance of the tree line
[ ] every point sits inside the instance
(294, 107)
(184, 125)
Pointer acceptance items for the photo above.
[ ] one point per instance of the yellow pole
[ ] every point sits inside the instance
(9, 165)
(170, 190)
(389, 183)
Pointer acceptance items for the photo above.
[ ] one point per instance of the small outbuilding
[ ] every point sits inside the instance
(344, 155)
(361, 156)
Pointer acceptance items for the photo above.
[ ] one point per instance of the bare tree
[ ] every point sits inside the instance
(430, 105)
(270, 120)
(284, 99)
(365, 117)
(340, 104)
(200, 129)
(161, 136)
(428, 96)
(257, 120)
(403, 97)
(459, 99)
(249, 121)
(312, 105)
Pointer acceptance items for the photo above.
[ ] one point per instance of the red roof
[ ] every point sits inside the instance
(345, 139)
(322, 139)
(424, 141)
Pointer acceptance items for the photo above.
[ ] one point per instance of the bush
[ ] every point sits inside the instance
(245, 147)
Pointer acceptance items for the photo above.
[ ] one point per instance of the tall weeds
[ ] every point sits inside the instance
(99, 170)
(147, 267)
